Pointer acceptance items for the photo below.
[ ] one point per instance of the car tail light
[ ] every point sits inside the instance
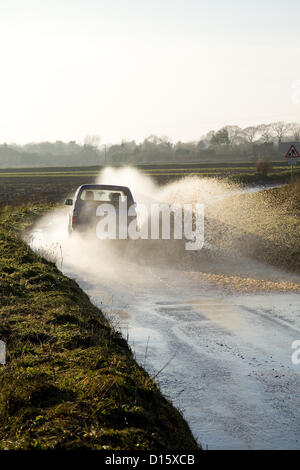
(74, 219)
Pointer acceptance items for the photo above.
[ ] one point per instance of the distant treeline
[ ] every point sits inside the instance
(47, 154)
(229, 144)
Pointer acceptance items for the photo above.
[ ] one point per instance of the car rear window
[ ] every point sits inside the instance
(102, 195)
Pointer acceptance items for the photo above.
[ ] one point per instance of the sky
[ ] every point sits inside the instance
(126, 69)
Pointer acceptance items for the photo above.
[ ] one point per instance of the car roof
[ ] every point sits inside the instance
(103, 186)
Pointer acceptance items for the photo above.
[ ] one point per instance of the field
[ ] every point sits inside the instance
(52, 185)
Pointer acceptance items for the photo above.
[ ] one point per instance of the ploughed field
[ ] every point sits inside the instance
(51, 185)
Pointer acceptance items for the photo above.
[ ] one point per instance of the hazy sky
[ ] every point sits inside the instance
(130, 68)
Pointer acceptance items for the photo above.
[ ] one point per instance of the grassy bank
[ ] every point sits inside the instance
(264, 225)
(70, 381)
(275, 177)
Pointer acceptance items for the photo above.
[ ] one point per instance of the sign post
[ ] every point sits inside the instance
(292, 155)
(2, 353)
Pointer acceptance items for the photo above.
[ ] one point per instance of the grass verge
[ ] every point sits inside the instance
(70, 381)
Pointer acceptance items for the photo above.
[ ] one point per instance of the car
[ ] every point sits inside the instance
(88, 200)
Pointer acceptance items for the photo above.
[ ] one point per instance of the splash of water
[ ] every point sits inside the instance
(50, 237)
(112, 260)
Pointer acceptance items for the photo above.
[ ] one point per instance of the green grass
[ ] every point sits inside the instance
(48, 174)
(71, 381)
(275, 177)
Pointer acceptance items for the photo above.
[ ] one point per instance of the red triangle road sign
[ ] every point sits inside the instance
(292, 152)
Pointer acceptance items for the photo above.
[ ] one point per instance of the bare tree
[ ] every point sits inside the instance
(295, 129)
(250, 134)
(280, 128)
(266, 132)
(92, 140)
(207, 137)
(235, 135)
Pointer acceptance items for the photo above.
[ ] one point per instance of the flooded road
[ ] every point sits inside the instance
(224, 360)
